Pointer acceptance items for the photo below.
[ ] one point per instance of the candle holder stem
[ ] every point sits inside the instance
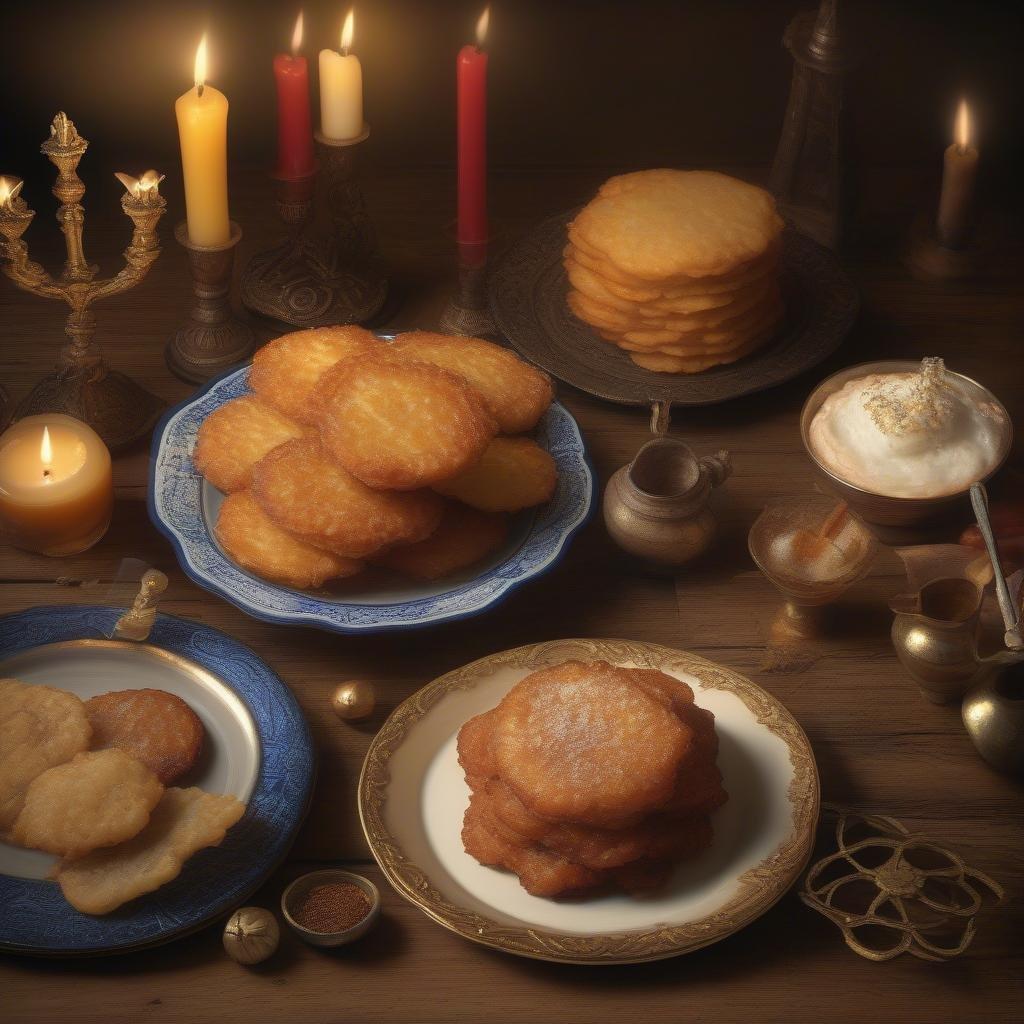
(212, 339)
(468, 312)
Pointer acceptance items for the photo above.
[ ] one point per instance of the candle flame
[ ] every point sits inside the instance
(297, 35)
(483, 22)
(131, 184)
(348, 30)
(5, 190)
(963, 126)
(200, 68)
(46, 451)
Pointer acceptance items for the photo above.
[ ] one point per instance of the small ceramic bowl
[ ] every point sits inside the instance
(294, 892)
(882, 509)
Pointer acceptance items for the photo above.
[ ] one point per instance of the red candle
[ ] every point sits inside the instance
(471, 73)
(294, 128)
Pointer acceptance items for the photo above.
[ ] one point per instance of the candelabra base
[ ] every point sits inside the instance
(468, 312)
(928, 259)
(117, 408)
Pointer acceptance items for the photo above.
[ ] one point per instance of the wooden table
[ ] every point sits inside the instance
(879, 745)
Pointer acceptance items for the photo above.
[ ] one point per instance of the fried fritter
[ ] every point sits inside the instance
(39, 727)
(512, 474)
(253, 540)
(183, 822)
(566, 740)
(308, 494)
(98, 798)
(474, 749)
(516, 393)
(285, 371)
(153, 726)
(463, 538)
(400, 424)
(233, 438)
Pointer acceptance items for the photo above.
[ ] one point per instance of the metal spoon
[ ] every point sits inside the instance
(1011, 618)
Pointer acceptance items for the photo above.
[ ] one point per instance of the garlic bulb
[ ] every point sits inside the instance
(251, 935)
(354, 700)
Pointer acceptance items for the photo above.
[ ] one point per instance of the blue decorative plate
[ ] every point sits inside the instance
(257, 747)
(184, 508)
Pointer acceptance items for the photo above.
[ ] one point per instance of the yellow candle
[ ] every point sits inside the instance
(203, 131)
(959, 168)
(56, 488)
(341, 89)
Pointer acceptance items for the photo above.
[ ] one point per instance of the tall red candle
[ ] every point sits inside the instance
(471, 74)
(294, 128)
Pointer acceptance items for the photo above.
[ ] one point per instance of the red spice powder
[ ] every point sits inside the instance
(332, 907)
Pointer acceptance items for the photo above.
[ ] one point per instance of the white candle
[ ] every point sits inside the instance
(958, 171)
(341, 89)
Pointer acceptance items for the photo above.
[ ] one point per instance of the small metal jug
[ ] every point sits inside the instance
(656, 508)
(993, 712)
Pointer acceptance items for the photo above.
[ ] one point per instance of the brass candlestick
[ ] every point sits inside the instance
(469, 310)
(82, 385)
(327, 270)
(212, 339)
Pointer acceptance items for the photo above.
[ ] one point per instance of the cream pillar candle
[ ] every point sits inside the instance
(959, 169)
(203, 131)
(341, 89)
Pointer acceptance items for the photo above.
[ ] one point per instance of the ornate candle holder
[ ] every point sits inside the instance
(469, 310)
(212, 339)
(327, 270)
(82, 385)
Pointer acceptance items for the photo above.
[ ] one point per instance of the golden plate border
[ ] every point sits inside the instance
(761, 886)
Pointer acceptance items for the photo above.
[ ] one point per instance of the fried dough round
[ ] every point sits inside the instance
(98, 798)
(40, 727)
(253, 540)
(514, 392)
(512, 474)
(233, 438)
(286, 370)
(153, 726)
(463, 538)
(401, 424)
(306, 492)
(566, 739)
(474, 749)
(183, 822)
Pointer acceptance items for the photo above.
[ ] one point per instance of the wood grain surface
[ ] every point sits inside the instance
(879, 745)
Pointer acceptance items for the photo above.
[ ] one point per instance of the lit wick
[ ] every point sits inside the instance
(46, 454)
(200, 66)
(297, 36)
(347, 31)
(963, 127)
(483, 23)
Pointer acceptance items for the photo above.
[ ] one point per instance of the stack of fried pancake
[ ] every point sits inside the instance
(352, 451)
(588, 776)
(678, 268)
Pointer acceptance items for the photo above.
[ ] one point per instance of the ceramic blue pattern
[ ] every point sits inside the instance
(176, 508)
(35, 917)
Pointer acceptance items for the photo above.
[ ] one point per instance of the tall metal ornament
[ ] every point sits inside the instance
(82, 385)
(807, 174)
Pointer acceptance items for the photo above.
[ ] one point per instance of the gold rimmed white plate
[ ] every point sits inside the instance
(412, 796)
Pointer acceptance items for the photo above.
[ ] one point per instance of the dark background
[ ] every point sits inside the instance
(573, 83)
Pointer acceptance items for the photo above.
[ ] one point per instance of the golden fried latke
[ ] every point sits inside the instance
(463, 538)
(153, 726)
(98, 798)
(516, 393)
(474, 749)
(285, 371)
(233, 438)
(512, 474)
(566, 740)
(253, 540)
(400, 424)
(39, 727)
(308, 494)
(183, 822)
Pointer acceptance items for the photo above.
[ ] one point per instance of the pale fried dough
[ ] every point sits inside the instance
(401, 424)
(259, 545)
(286, 370)
(98, 798)
(306, 492)
(464, 536)
(233, 438)
(153, 726)
(513, 473)
(183, 822)
(39, 727)
(515, 393)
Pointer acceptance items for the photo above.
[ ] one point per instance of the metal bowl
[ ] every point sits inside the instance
(882, 509)
(294, 892)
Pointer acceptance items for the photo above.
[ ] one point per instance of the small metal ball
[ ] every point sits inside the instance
(354, 700)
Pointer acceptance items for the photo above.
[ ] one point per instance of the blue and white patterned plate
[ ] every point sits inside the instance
(257, 748)
(184, 508)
